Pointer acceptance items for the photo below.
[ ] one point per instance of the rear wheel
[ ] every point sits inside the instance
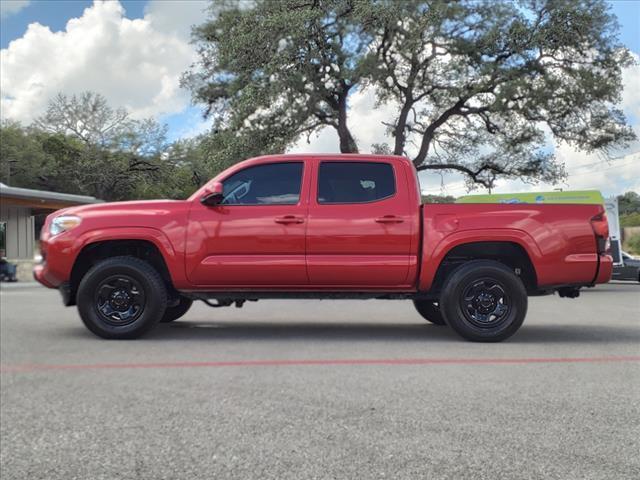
(484, 301)
(430, 311)
(121, 297)
(177, 311)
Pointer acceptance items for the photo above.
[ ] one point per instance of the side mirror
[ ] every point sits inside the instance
(213, 196)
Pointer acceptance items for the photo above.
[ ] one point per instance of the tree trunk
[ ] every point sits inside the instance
(424, 147)
(399, 131)
(347, 142)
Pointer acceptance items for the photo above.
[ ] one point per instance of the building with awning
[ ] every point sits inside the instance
(18, 209)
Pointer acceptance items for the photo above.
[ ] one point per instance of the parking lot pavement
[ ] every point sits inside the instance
(322, 389)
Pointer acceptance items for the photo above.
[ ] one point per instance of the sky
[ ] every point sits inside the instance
(134, 52)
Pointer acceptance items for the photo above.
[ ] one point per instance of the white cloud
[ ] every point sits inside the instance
(176, 17)
(631, 94)
(11, 7)
(135, 64)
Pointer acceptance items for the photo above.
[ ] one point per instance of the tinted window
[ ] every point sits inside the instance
(269, 184)
(355, 182)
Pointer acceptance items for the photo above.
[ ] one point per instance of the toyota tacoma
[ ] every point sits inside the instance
(319, 226)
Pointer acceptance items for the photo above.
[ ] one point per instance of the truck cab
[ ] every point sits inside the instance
(345, 222)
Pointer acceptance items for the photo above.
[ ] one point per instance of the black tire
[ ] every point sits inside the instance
(174, 313)
(121, 298)
(430, 311)
(484, 301)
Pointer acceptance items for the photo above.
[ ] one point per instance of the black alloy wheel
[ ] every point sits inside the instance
(121, 298)
(484, 301)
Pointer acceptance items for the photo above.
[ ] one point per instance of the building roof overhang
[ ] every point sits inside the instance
(41, 199)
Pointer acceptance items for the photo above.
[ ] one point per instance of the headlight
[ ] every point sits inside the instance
(63, 223)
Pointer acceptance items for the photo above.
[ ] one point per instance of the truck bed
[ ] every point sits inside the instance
(558, 239)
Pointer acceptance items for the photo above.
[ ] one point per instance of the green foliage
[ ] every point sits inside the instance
(630, 219)
(632, 245)
(438, 199)
(628, 203)
(22, 159)
(83, 146)
(474, 85)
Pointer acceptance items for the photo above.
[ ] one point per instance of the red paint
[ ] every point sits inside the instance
(318, 362)
(376, 246)
(347, 245)
(558, 239)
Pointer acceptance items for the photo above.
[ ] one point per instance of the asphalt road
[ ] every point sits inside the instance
(322, 390)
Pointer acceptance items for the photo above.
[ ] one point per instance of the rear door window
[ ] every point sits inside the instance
(355, 182)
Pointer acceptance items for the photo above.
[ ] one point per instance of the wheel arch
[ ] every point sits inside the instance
(101, 249)
(510, 253)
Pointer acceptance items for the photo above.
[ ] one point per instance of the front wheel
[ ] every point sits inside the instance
(121, 297)
(430, 311)
(484, 301)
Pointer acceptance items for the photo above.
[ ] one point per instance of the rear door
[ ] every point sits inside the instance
(360, 224)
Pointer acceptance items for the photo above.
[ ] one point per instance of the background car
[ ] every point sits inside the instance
(629, 270)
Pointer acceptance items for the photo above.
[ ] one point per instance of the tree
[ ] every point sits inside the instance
(189, 167)
(22, 160)
(629, 209)
(87, 117)
(82, 145)
(477, 87)
(438, 199)
(628, 203)
(112, 155)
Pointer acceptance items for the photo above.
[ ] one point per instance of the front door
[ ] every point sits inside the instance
(361, 225)
(256, 237)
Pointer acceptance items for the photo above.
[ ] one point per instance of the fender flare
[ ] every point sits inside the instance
(431, 264)
(149, 234)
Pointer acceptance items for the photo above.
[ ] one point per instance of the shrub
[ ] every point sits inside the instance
(632, 245)
(630, 220)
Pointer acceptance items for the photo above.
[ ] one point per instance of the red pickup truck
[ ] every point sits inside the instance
(319, 226)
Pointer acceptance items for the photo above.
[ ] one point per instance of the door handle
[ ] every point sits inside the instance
(287, 219)
(389, 219)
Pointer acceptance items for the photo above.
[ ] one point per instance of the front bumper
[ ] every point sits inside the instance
(40, 275)
(43, 276)
(55, 270)
(58, 254)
